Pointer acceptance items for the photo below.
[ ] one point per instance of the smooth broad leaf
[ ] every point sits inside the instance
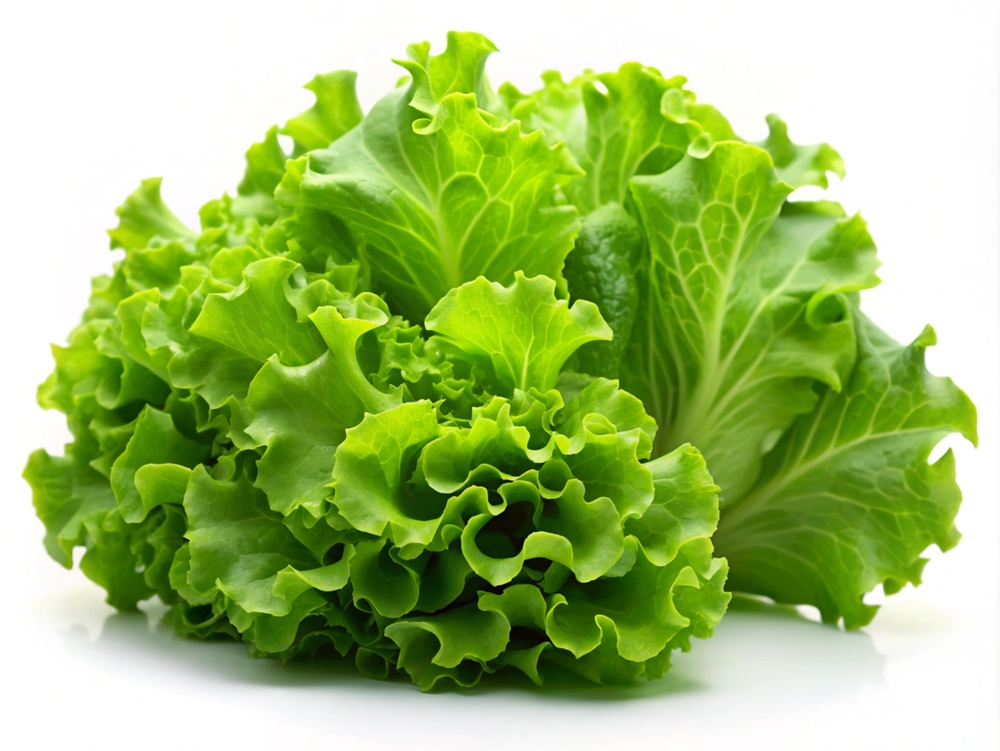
(521, 334)
(461, 199)
(741, 310)
(847, 500)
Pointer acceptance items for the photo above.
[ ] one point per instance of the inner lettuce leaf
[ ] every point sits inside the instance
(470, 381)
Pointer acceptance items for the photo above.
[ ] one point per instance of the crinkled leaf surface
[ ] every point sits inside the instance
(743, 309)
(461, 198)
(848, 500)
(520, 334)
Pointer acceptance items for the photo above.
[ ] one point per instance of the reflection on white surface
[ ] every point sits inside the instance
(763, 651)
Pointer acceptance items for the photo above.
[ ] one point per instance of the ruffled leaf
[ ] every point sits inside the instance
(335, 112)
(800, 165)
(459, 199)
(521, 334)
(144, 216)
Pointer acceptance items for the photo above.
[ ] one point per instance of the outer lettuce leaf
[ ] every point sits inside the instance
(460, 68)
(848, 500)
(742, 309)
(628, 130)
(145, 217)
(78, 509)
(628, 133)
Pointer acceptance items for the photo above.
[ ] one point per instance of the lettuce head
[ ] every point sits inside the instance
(483, 379)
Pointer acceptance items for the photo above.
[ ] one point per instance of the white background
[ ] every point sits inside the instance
(98, 95)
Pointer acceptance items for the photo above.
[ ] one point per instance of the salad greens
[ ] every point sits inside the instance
(482, 380)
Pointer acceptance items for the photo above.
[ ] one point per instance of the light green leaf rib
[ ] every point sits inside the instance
(741, 309)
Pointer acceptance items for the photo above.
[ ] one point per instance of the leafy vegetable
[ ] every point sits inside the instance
(373, 405)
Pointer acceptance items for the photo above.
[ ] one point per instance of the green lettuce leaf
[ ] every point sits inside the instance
(439, 202)
(847, 500)
(743, 306)
(521, 335)
(800, 165)
(600, 269)
(335, 112)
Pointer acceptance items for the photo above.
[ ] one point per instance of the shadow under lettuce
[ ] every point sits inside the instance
(773, 651)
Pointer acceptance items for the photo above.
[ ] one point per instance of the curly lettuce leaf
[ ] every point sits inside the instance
(263, 442)
(437, 202)
(144, 217)
(521, 335)
(335, 112)
(301, 414)
(800, 165)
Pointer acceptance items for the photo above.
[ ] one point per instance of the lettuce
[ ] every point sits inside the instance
(480, 380)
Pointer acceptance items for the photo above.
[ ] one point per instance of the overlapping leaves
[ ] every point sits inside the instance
(355, 412)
